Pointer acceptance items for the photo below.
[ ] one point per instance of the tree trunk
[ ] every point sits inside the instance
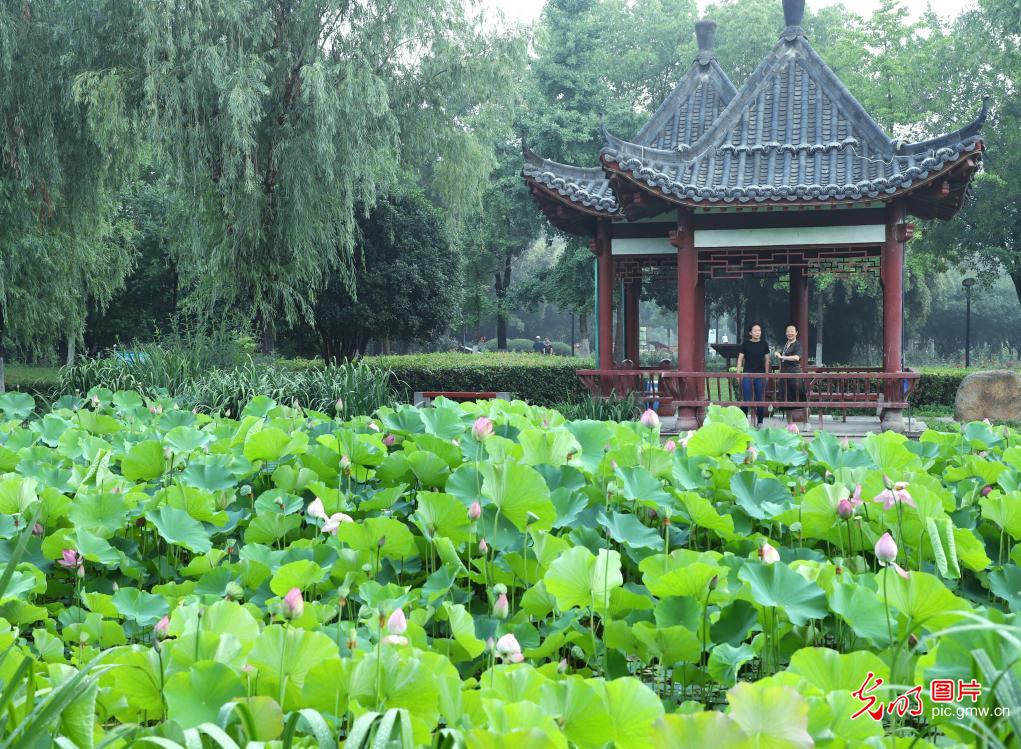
(70, 350)
(585, 348)
(267, 336)
(502, 281)
(3, 353)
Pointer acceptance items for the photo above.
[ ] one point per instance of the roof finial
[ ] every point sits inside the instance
(793, 13)
(705, 33)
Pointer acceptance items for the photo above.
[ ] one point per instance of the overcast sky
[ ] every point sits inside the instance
(528, 10)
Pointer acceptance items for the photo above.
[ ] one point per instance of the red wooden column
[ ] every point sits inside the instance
(687, 310)
(799, 311)
(604, 246)
(699, 340)
(891, 274)
(632, 295)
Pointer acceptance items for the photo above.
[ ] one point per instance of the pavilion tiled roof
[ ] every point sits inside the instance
(792, 134)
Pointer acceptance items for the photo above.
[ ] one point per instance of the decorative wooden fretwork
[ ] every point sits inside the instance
(841, 262)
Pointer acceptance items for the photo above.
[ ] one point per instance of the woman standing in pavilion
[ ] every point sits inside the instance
(753, 358)
(789, 357)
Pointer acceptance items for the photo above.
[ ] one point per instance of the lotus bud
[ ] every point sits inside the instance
(389, 440)
(900, 570)
(751, 455)
(167, 452)
(499, 588)
(294, 605)
(316, 509)
(475, 511)
(339, 404)
(670, 446)
(714, 582)
(886, 548)
(246, 490)
(856, 496)
(95, 401)
(159, 408)
(987, 422)
(397, 624)
(502, 607)
(37, 529)
(508, 649)
(234, 591)
(482, 428)
(162, 627)
(80, 572)
(373, 426)
(345, 463)
(649, 419)
(115, 586)
(483, 546)
(768, 554)
(845, 443)
(352, 639)
(845, 509)
(987, 490)
(333, 522)
(562, 666)
(227, 413)
(490, 644)
(793, 428)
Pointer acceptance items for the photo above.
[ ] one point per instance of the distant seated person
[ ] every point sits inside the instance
(547, 347)
(537, 345)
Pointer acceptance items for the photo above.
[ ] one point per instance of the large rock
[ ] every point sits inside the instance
(989, 395)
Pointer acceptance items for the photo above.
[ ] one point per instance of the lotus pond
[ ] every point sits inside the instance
(491, 575)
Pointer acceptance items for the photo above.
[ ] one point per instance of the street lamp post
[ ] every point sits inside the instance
(967, 283)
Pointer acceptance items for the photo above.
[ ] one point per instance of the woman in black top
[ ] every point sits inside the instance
(753, 357)
(789, 357)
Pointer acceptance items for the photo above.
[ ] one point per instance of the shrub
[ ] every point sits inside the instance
(937, 386)
(602, 409)
(538, 379)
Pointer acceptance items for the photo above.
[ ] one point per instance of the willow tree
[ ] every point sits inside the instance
(63, 247)
(283, 118)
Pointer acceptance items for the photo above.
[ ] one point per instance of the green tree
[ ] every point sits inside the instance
(282, 119)
(406, 281)
(68, 141)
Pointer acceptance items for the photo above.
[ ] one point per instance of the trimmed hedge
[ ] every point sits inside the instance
(937, 386)
(538, 379)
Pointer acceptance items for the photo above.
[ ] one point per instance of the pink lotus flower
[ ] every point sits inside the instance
(502, 607)
(670, 446)
(38, 530)
(161, 628)
(316, 509)
(793, 428)
(397, 624)
(886, 548)
(987, 490)
(70, 558)
(650, 419)
(688, 435)
(897, 493)
(395, 640)
(751, 455)
(482, 428)
(483, 546)
(373, 426)
(845, 443)
(768, 554)
(845, 509)
(345, 463)
(475, 511)
(294, 605)
(508, 649)
(333, 522)
(900, 570)
(389, 440)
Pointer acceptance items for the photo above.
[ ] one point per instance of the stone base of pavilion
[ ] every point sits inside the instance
(852, 427)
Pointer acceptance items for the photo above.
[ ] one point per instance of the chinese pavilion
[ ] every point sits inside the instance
(786, 174)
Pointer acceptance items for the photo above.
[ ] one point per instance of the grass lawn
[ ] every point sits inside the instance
(29, 375)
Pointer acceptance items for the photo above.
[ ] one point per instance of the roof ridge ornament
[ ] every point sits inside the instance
(793, 16)
(705, 33)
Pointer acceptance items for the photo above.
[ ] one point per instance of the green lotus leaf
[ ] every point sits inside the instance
(443, 421)
(288, 653)
(177, 527)
(95, 549)
(889, 454)
(633, 709)
(1006, 583)
(385, 536)
(778, 586)
(638, 485)
(407, 682)
(860, 607)
(772, 716)
(683, 573)
(579, 709)
(762, 498)
(441, 514)
(271, 444)
(1004, 510)
(595, 438)
(826, 449)
(302, 574)
(186, 439)
(144, 461)
(548, 446)
(142, 607)
(445, 450)
(703, 514)
(520, 494)
(15, 405)
(430, 469)
(830, 722)
(924, 599)
(462, 627)
(270, 527)
(196, 695)
(629, 530)
(668, 645)
(708, 729)
(262, 717)
(580, 578)
(725, 661)
(212, 474)
(515, 718)
(715, 440)
(831, 671)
